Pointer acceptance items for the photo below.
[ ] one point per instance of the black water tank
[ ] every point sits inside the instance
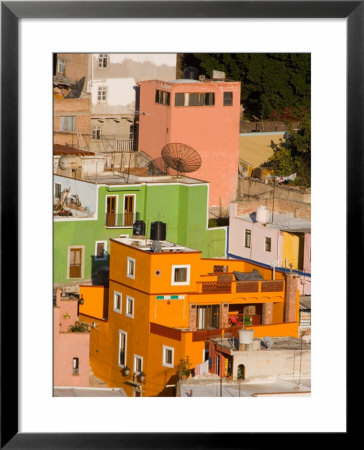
(158, 231)
(139, 228)
(190, 73)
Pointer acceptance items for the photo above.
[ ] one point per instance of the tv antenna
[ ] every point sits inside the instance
(181, 157)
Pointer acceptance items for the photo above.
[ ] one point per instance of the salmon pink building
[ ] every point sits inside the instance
(71, 344)
(204, 115)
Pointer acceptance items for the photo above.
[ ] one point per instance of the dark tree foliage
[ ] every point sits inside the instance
(273, 85)
(293, 153)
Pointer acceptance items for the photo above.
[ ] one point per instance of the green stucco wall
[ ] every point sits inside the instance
(182, 207)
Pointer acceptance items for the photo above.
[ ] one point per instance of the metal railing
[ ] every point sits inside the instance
(227, 287)
(113, 220)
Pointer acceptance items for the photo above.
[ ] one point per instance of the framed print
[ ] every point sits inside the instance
(31, 34)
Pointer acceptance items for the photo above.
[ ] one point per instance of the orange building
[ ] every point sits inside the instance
(165, 302)
(204, 115)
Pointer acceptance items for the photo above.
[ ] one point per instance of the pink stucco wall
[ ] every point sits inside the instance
(213, 131)
(68, 345)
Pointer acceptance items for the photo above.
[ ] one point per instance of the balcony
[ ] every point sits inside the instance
(233, 287)
(125, 220)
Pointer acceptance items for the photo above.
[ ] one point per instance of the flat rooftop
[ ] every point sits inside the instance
(281, 221)
(119, 178)
(279, 343)
(148, 245)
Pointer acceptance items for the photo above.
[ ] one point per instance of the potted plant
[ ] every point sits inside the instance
(184, 368)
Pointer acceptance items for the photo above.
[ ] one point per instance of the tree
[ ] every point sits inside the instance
(271, 83)
(293, 154)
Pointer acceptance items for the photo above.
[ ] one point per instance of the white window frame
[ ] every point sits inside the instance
(127, 299)
(126, 341)
(96, 133)
(105, 251)
(61, 63)
(128, 274)
(164, 363)
(115, 303)
(101, 94)
(188, 277)
(71, 247)
(101, 58)
(134, 366)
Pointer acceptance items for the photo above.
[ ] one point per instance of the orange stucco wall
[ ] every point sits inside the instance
(213, 131)
(93, 305)
(170, 313)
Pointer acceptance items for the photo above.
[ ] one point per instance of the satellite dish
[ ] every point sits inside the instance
(181, 157)
(267, 342)
(77, 89)
(157, 167)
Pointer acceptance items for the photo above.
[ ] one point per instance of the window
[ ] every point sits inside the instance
(61, 66)
(101, 94)
(138, 364)
(122, 348)
(201, 99)
(103, 61)
(100, 250)
(168, 356)
(129, 307)
(248, 238)
(130, 271)
(57, 190)
(180, 275)
(228, 98)
(67, 123)
(75, 262)
(162, 97)
(268, 244)
(96, 133)
(117, 301)
(179, 99)
(75, 366)
(208, 317)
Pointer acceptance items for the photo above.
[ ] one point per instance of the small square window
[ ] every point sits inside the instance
(96, 133)
(228, 98)
(117, 301)
(130, 268)
(129, 306)
(100, 250)
(57, 190)
(180, 275)
(67, 123)
(103, 61)
(168, 356)
(101, 94)
(268, 244)
(179, 99)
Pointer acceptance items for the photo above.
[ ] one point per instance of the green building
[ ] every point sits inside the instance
(109, 205)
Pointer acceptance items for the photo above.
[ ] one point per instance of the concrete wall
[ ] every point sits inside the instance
(253, 193)
(268, 363)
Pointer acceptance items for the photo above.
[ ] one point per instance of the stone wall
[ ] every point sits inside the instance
(253, 193)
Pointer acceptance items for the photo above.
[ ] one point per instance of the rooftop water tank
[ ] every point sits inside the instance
(158, 231)
(190, 73)
(139, 228)
(262, 214)
(246, 337)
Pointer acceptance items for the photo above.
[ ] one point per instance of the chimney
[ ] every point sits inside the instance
(292, 297)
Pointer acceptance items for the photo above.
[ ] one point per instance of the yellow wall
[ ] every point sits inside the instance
(290, 250)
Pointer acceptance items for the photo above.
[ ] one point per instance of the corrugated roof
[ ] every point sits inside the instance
(66, 150)
(255, 149)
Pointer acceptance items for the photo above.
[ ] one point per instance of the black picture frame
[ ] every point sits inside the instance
(11, 12)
